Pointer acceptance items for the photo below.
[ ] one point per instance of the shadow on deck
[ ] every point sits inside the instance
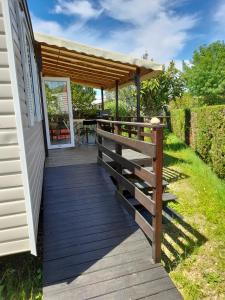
(92, 248)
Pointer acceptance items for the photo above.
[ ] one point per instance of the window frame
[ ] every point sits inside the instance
(30, 70)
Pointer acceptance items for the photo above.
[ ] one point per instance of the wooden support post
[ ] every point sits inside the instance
(99, 141)
(118, 149)
(157, 136)
(138, 90)
(102, 97)
(117, 100)
(140, 130)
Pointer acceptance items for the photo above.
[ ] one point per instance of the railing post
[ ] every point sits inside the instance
(157, 138)
(118, 149)
(140, 130)
(99, 141)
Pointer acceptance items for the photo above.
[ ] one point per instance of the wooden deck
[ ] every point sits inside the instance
(92, 247)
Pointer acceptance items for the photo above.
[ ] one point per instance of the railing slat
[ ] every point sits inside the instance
(145, 200)
(139, 219)
(142, 173)
(140, 124)
(141, 146)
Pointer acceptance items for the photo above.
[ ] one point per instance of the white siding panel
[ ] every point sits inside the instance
(1, 13)
(11, 194)
(4, 59)
(13, 215)
(9, 152)
(5, 75)
(11, 234)
(3, 42)
(35, 160)
(6, 106)
(7, 181)
(10, 166)
(8, 137)
(13, 221)
(6, 90)
(2, 26)
(14, 247)
(14, 207)
(7, 121)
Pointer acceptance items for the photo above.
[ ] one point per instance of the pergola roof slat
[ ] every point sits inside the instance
(90, 66)
(81, 65)
(47, 65)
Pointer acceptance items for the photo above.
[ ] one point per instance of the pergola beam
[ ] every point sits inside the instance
(76, 73)
(86, 64)
(138, 92)
(102, 98)
(87, 58)
(47, 64)
(117, 99)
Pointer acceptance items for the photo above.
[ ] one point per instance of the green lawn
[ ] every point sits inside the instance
(20, 277)
(194, 248)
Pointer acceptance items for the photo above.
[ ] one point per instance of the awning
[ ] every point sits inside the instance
(90, 66)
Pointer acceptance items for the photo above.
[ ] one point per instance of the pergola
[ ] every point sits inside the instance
(93, 67)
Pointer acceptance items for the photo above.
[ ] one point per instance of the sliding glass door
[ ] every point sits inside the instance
(58, 112)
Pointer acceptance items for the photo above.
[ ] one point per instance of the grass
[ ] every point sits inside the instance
(194, 247)
(20, 277)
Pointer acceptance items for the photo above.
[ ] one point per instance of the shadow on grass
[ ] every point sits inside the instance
(175, 146)
(171, 175)
(180, 239)
(170, 160)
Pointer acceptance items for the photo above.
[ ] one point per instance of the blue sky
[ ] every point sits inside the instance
(166, 29)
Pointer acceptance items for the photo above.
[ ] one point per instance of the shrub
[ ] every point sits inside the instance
(122, 107)
(207, 136)
(180, 119)
(204, 129)
(187, 101)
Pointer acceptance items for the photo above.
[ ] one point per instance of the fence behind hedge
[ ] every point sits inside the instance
(204, 130)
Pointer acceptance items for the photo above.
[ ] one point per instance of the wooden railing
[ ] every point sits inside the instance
(124, 172)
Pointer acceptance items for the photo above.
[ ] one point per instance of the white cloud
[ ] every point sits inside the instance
(76, 31)
(149, 25)
(82, 8)
(219, 19)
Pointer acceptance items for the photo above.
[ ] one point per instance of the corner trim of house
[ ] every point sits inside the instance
(19, 125)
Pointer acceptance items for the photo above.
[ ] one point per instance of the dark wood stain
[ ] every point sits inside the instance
(92, 248)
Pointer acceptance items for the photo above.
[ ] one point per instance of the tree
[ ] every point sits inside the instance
(206, 75)
(52, 103)
(82, 98)
(127, 101)
(161, 90)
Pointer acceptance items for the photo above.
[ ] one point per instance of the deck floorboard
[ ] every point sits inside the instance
(92, 249)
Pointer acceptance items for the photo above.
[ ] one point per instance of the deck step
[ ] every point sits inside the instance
(166, 197)
(142, 185)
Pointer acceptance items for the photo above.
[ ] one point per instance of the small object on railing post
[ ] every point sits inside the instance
(99, 141)
(157, 136)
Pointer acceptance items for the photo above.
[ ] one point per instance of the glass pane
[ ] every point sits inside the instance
(58, 112)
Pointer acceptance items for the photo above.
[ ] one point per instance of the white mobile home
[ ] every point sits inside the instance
(26, 129)
(22, 152)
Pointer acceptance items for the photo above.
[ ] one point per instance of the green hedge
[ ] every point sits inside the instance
(204, 129)
(180, 123)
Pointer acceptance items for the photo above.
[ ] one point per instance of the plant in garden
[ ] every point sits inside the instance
(82, 98)
(127, 99)
(206, 75)
(161, 90)
(123, 110)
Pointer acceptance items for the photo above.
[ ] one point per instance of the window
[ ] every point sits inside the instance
(31, 80)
